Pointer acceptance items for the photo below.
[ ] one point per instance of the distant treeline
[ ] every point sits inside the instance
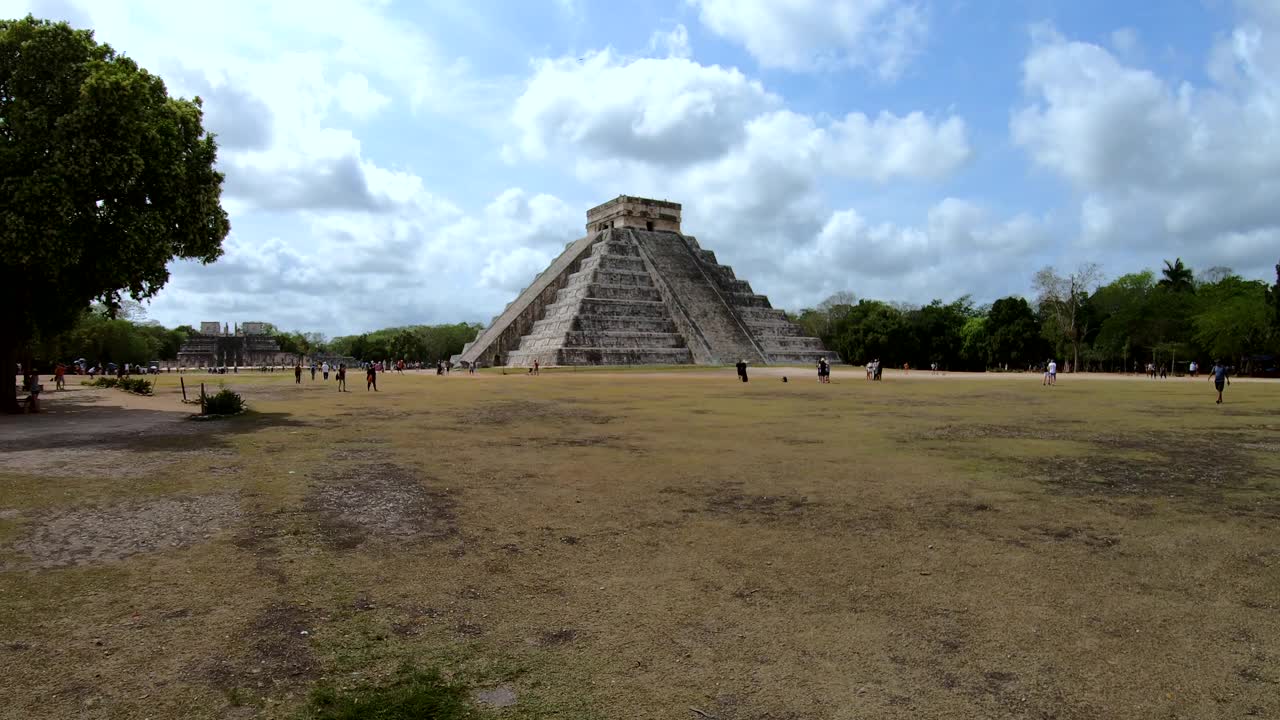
(413, 343)
(130, 338)
(1133, 320)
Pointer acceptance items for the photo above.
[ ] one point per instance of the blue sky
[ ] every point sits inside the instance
(415, 162)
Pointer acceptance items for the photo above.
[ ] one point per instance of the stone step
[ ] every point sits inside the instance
(602, 356)
(781, 343)
(738, 299)
(752, 315)
(803, 357)
(624, 324)
(602, 307)
(622, 292)
(611, 277)
(615, 247)
(619, 262)
(615, 339)
(774, 329)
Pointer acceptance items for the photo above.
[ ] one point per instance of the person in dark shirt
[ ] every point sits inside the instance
(1219, 376)
(742, 370)
(371, 379)
(297, 374)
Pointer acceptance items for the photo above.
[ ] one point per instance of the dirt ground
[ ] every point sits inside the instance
(650, 544)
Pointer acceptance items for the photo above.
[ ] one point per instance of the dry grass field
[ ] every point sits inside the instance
(649, 545)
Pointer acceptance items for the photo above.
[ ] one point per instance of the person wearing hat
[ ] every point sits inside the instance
(742, 370)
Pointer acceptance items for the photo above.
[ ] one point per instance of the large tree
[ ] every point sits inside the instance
(1177, 277)
(1062, 302)
(105, 180)
(1013, 334)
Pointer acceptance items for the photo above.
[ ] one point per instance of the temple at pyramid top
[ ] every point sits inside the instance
(636, 291)
(635, 212)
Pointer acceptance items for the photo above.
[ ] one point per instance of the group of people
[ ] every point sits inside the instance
(874, 370)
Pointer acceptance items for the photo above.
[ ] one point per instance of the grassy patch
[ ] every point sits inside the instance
(412, 695)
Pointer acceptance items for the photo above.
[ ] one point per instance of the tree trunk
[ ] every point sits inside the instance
(8, 393)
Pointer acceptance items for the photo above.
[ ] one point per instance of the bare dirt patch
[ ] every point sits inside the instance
(509, 412)
(91, 461)
(379, 501)
(1182, 466)
(729, 501)
(94, 535)
(278, 652)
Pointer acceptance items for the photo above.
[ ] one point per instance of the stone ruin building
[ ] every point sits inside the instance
(635, 291)
(248, 345)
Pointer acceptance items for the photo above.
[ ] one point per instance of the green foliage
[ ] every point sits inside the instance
(415, 343)
(411, 695)
(106, 179)
(1233, 320)
(135, 385)
(1177, 277)
(1014, 334)
(224, 402)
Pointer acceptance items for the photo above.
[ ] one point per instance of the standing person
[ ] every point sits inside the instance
(325, 369)
(1219, 376)
(878, 373)
(313, 371)
(1191, 369)
(341, 375)
(371, 379)
(742, 370)
(59, 376)
(536, 367)
(297, 374)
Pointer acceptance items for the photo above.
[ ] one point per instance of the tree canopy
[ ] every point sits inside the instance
(1122, 324)
(105, 180)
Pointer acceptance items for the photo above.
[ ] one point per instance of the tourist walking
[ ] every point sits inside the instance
(1219, 377)
(1192, 368)
(341, 375)
(297, 374)
(371, 379)
(324, 369)
(742, 370)
(824, 370)
(313, 372)
(59, 377)
(536, 367)
(1050, 373)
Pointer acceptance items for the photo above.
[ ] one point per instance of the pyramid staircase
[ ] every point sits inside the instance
(609, 312)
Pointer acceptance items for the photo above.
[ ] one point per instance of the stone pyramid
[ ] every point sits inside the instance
(635, 291)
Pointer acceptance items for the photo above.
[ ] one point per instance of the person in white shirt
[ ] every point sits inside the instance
(1050, 373)
(324, 368)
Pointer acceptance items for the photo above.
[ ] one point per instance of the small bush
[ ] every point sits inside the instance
(138, 386)
(412, 694)
(104, 381)
(223, 402)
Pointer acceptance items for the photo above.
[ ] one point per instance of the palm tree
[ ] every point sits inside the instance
(1177, 277)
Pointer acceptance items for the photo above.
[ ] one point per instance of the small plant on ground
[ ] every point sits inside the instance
(138, 386)
(223, 402)
(412, 694)
(104, 381)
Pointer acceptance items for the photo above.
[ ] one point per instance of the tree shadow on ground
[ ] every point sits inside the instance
(89, 423)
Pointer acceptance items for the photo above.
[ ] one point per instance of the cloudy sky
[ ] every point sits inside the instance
(391, 162)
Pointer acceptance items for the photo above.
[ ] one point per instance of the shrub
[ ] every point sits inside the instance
(105, 381)
(138, 386)
(223, 402)
(412, 694)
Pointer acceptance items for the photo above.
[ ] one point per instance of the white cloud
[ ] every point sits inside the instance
(669, 111)
(674, 43)
(806, 35)
(1190, 171)
(749, 171)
